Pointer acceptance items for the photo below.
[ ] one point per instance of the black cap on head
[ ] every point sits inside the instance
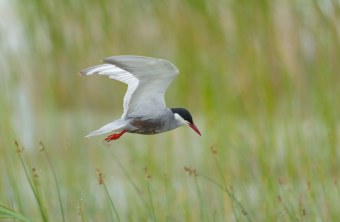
(184, 113)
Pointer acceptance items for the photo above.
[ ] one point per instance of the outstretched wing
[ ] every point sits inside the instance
(147, 79)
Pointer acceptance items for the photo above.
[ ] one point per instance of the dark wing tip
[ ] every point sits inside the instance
(83, 73)
(86, 72)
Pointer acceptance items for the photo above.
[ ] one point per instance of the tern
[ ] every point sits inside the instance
(144, 106)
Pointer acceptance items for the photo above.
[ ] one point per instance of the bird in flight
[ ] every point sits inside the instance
(145, 111)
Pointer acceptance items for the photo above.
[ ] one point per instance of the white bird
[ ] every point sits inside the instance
(145, 111)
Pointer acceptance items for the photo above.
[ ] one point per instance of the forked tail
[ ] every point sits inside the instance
(113, 126)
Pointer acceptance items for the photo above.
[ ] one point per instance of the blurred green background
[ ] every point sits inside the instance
(261, 79)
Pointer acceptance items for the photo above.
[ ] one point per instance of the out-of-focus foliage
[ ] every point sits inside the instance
(261, 79)
(240, 55)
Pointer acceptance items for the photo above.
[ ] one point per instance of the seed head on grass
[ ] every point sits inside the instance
(281, 181)
(79, 210)
(146, 174)
(302, 209)
(191, 171)
(279, 198)
(35, 177)
(41, 146)
(148, 178)
(80, 213)
(17, 147)
(35, 174)
(33, 184)
(101, 181)
(213, 149)
(309, 186)
(100, 177)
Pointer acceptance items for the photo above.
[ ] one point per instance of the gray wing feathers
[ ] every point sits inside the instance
(147, 79)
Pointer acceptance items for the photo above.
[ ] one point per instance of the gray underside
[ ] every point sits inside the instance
(148, 126)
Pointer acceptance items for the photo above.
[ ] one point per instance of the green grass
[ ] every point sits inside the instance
(260, 78)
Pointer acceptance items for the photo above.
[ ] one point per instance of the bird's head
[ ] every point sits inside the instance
(183, 117)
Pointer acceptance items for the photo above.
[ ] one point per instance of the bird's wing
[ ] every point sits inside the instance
(147, 79)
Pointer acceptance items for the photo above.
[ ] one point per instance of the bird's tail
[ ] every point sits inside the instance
(113, 126)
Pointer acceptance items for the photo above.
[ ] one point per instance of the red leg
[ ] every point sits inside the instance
(115, 136)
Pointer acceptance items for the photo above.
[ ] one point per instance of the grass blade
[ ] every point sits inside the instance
(108, 197)
(42, 147)
(7, 213)
(148, 177)
(32, 186)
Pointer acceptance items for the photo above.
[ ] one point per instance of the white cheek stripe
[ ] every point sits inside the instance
(180, 119)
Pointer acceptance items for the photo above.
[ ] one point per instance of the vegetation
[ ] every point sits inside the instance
(260, 78)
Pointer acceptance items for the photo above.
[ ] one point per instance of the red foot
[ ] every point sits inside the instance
(115, 136)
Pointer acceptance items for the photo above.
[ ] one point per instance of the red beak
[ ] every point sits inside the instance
(195, 128)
